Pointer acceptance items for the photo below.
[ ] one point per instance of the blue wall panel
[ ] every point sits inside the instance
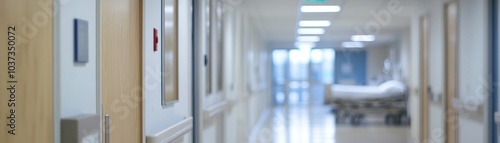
(350, 66)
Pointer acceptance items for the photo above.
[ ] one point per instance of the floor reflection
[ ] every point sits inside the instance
(303, 123)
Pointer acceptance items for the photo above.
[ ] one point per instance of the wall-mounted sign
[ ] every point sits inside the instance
(81, 41)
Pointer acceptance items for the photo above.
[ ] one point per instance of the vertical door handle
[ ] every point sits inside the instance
(205, 60)
(106, 126)
(497, 122)
(497, 118)
(155, 40)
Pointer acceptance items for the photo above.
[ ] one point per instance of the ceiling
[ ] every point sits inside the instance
(277, 20)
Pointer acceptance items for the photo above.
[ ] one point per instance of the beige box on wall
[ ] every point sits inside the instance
(80, 129)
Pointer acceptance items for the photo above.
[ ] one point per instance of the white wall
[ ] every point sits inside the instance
(231, 52)
(414, 78)
(158, 117)
(248, 101)
(375, 57)
(473, 67)
(409, 65)
(435, 51)
(403, 63)
(211, 127)
(76, 84)
(436, 71)
(257, 99)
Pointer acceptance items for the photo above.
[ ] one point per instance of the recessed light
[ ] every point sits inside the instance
(314, 23)
(306, 31)
(353, 45)
(363, 38)
(320, 8)
(305, 44)
(308, 38)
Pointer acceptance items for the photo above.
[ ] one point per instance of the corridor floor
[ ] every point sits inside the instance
(316, 124)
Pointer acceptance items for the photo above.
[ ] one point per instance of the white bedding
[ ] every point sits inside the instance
(385, 90)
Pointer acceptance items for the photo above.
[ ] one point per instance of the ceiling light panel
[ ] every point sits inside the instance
(320, 8)
(362, 38)
(310, 31)
(308, 38)
(353, 45)
(305, 44)
(314, 23)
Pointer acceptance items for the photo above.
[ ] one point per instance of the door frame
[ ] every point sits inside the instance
(493, 70)
(196, 66)
(423, 82)
(451, 69)
(99, 99)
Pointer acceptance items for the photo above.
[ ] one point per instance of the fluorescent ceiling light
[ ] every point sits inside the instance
(314, 23)
(320, 8)
(353, 45)
(308, 38)
(311, 31)
(302, 45)
(363, 38)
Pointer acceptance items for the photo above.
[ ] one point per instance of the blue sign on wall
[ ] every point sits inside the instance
(81, 43)
(350, 66)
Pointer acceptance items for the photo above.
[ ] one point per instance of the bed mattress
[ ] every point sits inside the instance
(389, 89)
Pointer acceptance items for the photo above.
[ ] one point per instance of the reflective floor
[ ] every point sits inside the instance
(316, 124)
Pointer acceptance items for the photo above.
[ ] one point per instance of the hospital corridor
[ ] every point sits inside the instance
(249, 71)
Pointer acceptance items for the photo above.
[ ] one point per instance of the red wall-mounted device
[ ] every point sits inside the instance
(155, 39)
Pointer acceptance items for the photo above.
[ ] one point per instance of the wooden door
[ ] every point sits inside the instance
(26, 71)
(121, 69)
(424, 80)
(451, 70)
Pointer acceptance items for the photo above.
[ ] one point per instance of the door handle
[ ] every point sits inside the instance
(429, 91)
(497, 118)
(205, 60)
(497, 121)
(106, 126)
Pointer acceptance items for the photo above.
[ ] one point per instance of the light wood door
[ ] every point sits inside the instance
(121, 69)
(424, 80)
(451, 70)
(26, 54)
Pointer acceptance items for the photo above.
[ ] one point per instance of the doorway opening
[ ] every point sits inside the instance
(299, 75)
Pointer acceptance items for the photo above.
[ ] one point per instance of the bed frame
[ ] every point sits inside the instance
(393, 109)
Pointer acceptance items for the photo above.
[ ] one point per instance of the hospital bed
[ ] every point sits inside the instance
(352, 103)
